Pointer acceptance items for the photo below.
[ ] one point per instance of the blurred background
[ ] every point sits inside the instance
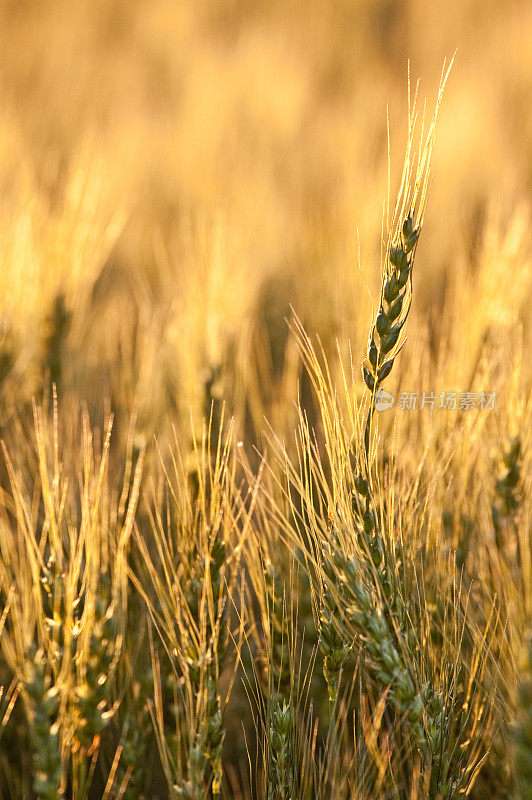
(175, 175)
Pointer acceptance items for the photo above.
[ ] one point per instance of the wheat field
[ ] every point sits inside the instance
(265, 400)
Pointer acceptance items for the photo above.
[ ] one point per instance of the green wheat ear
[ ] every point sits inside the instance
(42, 702)
(281, 767)
(386, 336)
(507, 499)
(394, 307)
(523, 728)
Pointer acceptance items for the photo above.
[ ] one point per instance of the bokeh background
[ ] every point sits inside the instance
(175, 175)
